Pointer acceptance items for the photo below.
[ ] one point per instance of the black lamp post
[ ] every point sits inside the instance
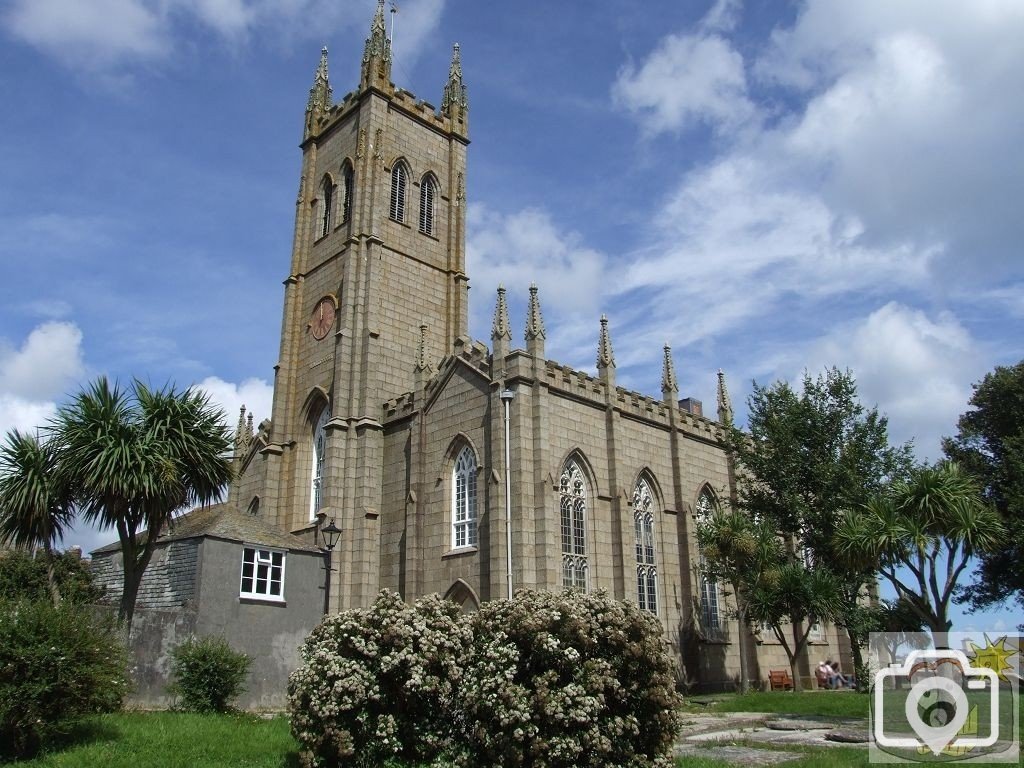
(329, 533)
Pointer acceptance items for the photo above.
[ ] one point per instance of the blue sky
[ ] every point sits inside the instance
(765, 186)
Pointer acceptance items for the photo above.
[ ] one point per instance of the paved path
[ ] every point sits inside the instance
(715, 736)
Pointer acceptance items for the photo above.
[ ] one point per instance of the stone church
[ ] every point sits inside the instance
(450, 466)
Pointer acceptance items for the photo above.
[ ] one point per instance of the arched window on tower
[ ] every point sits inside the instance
(572, 499)
(428, 194)
(326, 205)
(464, 500)
(709, 612)
(348, 191)
(319, 451)
(399, 182)
(646, 567)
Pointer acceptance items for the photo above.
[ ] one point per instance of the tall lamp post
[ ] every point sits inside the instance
(329, 534)
(506, 398)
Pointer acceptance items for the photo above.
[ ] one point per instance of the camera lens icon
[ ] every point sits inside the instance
(937, 705)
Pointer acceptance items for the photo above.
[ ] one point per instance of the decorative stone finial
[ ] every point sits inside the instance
(248, 427)
(240, 429)
(724, 402)
(455, 101)
(605, 355)
(668, 373)
(377, 53)
(534, 319)
(500, 327)
(320, 94)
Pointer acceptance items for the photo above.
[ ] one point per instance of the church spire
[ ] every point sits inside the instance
(605, 355)
(501, 333)
(534, 325)
(377, 53)
(319, 95)
(454, 101)
(724, 402)
(669, 384)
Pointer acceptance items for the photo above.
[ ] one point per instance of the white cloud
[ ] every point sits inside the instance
(687, 80)
(255, 394)
(48, 360)
(23, 414)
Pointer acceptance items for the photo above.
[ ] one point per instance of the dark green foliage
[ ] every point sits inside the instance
(208, 674)
(57, 664)
(25, 577)
(990, 445)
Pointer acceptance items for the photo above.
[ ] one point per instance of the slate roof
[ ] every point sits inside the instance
(222, 522)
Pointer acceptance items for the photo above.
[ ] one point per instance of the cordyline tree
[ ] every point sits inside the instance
(807, 457)
(990, 445)
(921, 537)
(36, 502)
(122, 459)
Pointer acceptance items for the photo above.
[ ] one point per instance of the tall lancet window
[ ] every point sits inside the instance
(326, 205)
(710, 616)
(399, 181)
(572, 492)
(428, 192)
(319, 451)
(348, 191)
(646, 567)
(464, 500)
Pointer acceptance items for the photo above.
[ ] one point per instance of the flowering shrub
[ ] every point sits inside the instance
(57, 664)
(208, 674)
(568, 679)
(376, 685)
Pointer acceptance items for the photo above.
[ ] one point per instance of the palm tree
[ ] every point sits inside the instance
(136, 458)
(929, 527)
(35, 501)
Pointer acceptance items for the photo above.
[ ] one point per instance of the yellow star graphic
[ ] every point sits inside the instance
(994, 656)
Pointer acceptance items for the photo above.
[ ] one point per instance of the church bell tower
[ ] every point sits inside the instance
(376, 283)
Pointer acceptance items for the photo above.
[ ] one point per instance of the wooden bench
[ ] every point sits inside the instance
(780, 680)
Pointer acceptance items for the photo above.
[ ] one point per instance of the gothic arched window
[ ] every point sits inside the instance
(319, 451)
(572, 500)
(710, 616)
(464, 500)
(646, 567)
(428, 192)
(326, 204)
(399, 181)
(348, 191)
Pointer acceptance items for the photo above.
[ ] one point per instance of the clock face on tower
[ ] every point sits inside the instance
(322, 319)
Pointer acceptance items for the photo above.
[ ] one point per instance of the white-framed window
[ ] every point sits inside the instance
(319, 451)
(572, 500)
(348, 191)
(646, 567)
(816, 633)
(709, 609)
(464, 500)
(399, 182)
(262, 574)
(326, 205)
(428, 193)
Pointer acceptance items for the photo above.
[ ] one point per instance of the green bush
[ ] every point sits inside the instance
(23, 577)
(56, 666)
(208, 674)
(377, 685)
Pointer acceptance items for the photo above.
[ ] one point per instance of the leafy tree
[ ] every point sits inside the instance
(136, 458)
(990, 445)
(931, 526)
(35, 500)
(25, 576)
(807, 457)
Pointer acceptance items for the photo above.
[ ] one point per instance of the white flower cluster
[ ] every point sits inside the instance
(546, 680)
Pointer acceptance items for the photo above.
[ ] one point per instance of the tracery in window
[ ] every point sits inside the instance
(319, 451)
(646, 566)
(464, 516)
(710, 615)
(572, 493)
(348, 191)
(399, 181)
(428, 192)
(326, 204)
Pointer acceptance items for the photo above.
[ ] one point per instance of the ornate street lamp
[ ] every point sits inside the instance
(329, 534)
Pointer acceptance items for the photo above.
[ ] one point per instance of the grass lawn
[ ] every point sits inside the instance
(175, 740)
(819, 703)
